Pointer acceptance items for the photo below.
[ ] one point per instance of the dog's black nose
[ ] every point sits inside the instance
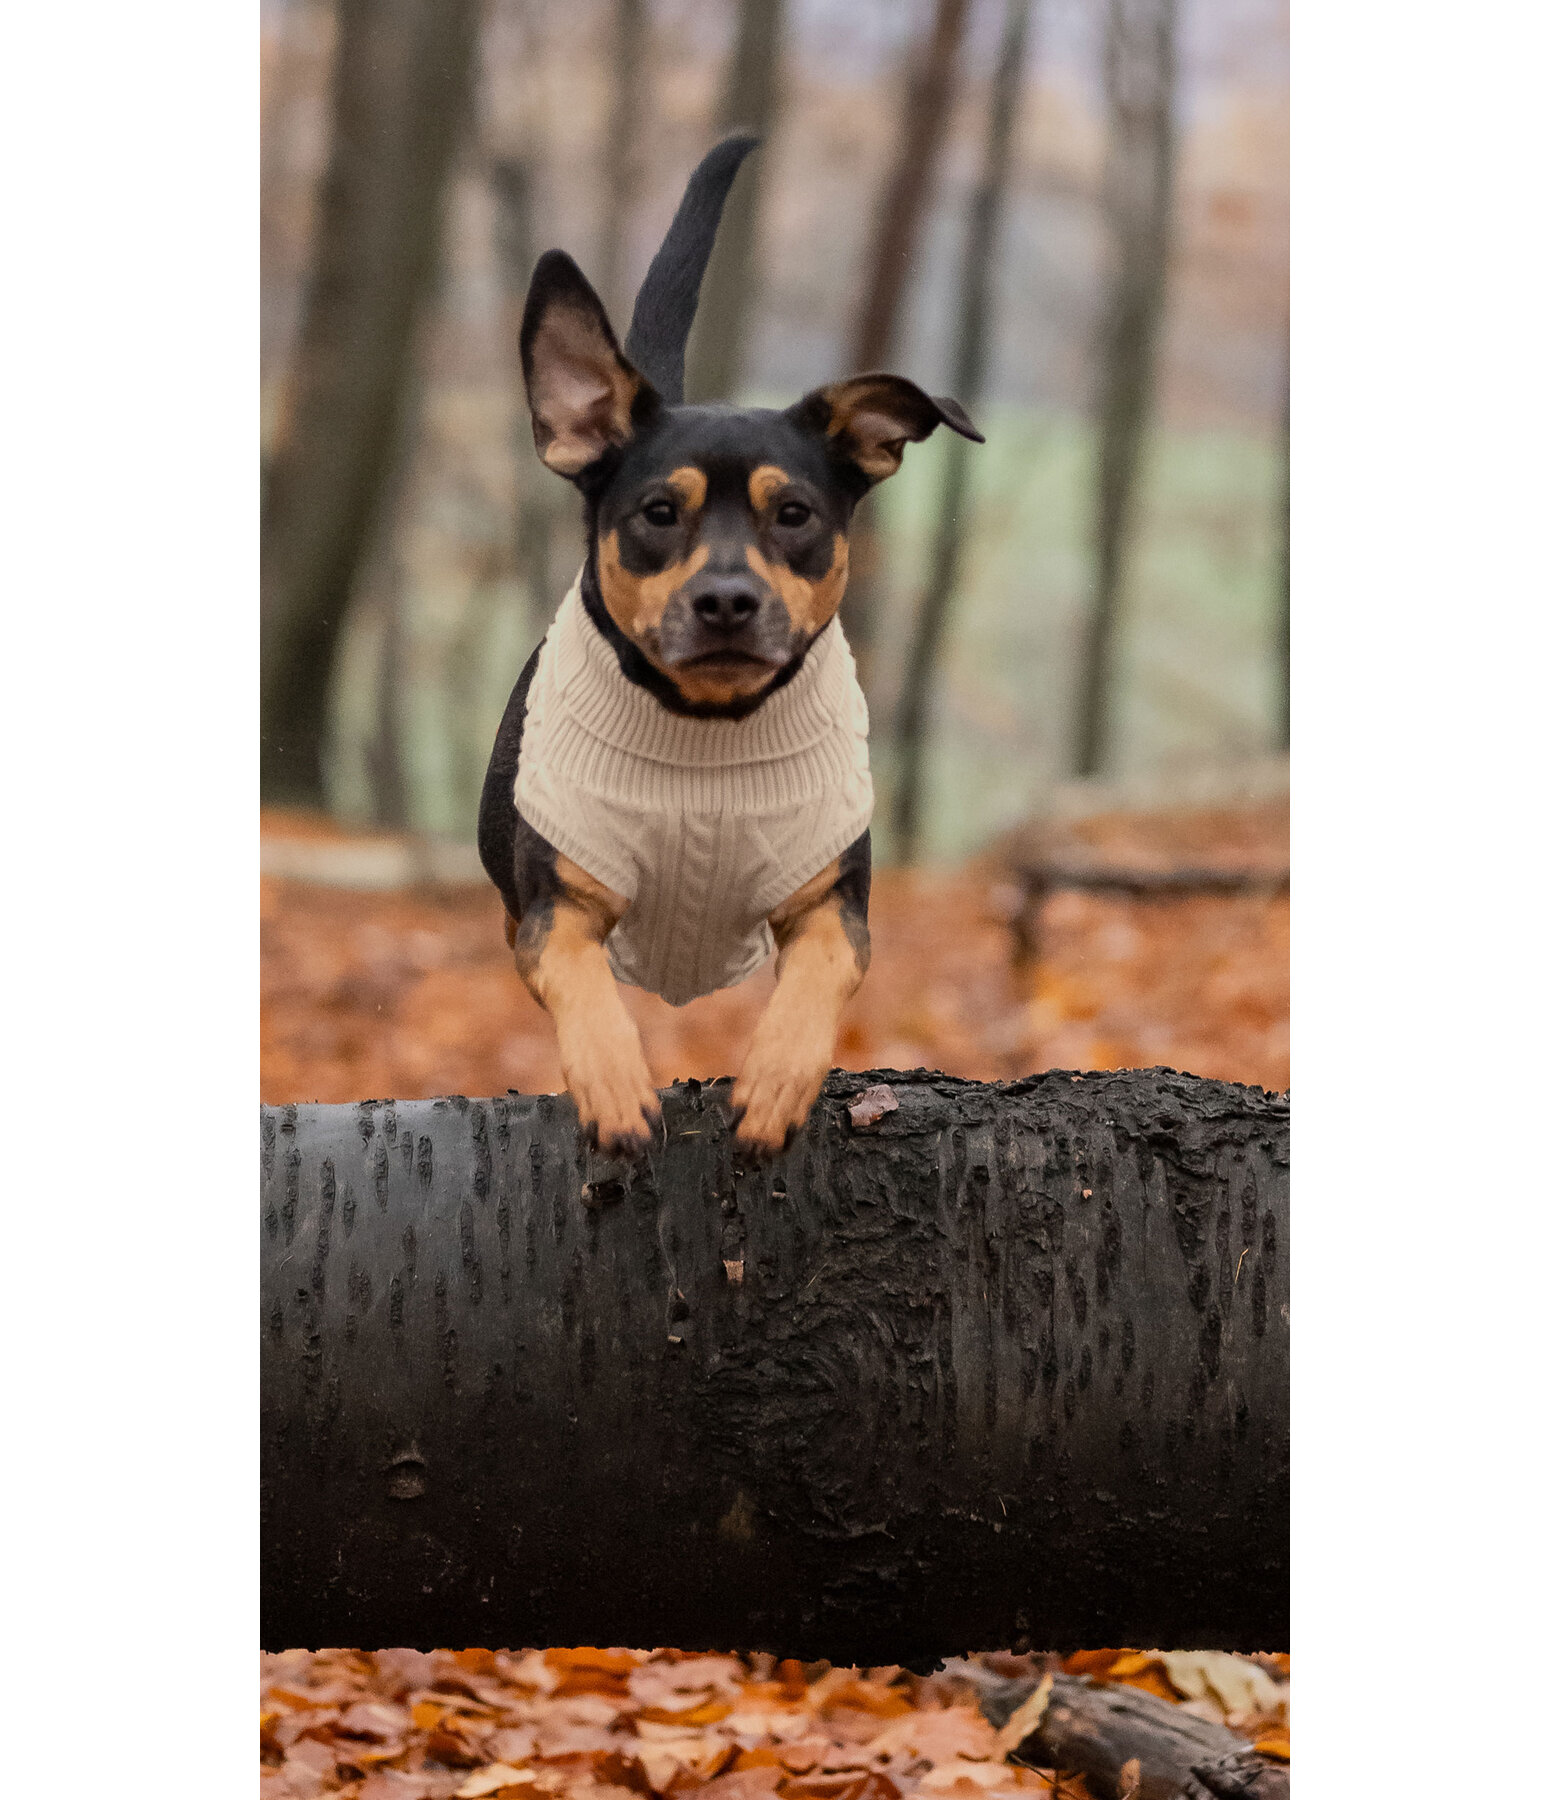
(726, 604)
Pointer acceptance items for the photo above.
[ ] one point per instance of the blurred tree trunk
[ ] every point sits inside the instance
(621, 172)
(515, 253)
(1138, 197)
(749, 102)
(922, 132)
(385, 753)
(976, 281)
(1283, 645)
(401, 81)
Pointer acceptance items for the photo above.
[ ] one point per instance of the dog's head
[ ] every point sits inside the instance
(719, 536)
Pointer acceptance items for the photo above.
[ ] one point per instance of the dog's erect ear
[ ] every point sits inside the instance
(870, 418)
(584, 396)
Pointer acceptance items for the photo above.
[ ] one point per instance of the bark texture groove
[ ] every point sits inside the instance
(1008, 1370)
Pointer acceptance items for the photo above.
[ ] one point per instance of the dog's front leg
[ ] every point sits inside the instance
(560, 955)
(821, 932)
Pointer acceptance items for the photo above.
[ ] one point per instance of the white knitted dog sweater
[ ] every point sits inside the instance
(704, 825)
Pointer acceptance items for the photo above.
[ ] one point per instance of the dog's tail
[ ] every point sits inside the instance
(664, 307)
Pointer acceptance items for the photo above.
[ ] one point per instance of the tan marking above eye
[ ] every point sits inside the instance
(636, 603)
(765, 483)
(811, 604)
(690, 485)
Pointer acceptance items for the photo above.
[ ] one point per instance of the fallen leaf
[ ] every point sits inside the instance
(978, 1774)
(511, 1744)
(792, 1678)
(371, 1719)
(1027, 1718)
(742, 1784)
(871, 1697)
(869, 1786)
(1276, 1743)
(396, 1784)
(1133, 1668)
(310, 1753)
(453, 1749)
(937, 1735)
(708, 1713)
(491, 1779)
(1240, 1688)
(871, 1106)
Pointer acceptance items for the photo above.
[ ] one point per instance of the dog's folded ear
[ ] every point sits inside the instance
(870, 418)
(584, 396)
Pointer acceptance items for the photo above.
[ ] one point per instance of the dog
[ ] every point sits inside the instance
(680, 785)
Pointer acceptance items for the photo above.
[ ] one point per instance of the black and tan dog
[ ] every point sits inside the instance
(717, 556)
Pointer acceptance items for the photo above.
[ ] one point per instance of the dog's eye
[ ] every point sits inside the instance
(794, 512)
(659, 513)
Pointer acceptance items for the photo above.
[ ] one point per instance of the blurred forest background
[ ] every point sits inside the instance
(1071, 215)
(578, 124)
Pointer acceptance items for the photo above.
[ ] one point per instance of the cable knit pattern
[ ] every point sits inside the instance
(703, 825)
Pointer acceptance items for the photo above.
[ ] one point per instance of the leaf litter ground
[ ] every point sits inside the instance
(610, 1724)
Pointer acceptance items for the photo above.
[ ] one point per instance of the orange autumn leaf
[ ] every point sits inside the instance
(588, 1656)
(425, 1715)
(793, 1679)
(1277, 1743)
(871, 1697)
(589, 1670)
(1131, 1668)
(1096, 1663)
(866, 1786)
(707, 1713)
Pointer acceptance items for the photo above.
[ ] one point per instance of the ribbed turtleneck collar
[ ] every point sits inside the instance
(611, 707)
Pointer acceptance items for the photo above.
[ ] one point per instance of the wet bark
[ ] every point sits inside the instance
(1139, 56)
(1008, 1370)
(401, 79)
(969, 368)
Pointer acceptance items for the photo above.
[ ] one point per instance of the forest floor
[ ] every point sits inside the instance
(591, 1724)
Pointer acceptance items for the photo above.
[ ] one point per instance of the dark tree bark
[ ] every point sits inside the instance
(1091, 1730)
(621, 169)
(969, 366)
(749, 102)
(400, 89)
(1138, 196)
(922, 133)
(1009, 1369)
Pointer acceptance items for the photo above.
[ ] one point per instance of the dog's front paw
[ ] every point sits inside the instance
(772, 1097)
(615, 1101)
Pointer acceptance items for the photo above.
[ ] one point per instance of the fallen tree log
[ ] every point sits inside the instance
(1130, 1745)
(1009, 1368)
